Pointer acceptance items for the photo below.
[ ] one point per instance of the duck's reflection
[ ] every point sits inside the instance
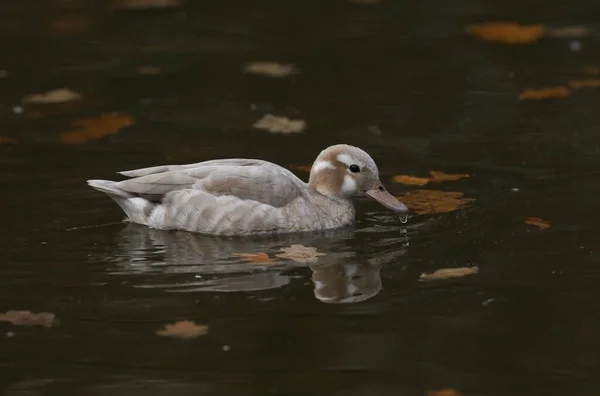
(190, 262)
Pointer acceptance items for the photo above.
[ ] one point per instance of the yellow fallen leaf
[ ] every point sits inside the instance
(271, 69)
(149, 70)
(410, 180)
(507, 32)
(434, 201)
(441, 176)
(96, 128)
(447, 273)
(284, 125)
(27, 318)
(183, 329)
(256, 258)
(301, 254)
(591, 83)
(535, 221)
(443, 392)
(55, 96)
(5, 140)
(545, 93)
(304, 168)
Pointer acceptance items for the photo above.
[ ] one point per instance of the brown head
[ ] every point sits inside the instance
(343, 172)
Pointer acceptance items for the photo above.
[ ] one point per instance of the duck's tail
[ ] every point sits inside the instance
(136, 208)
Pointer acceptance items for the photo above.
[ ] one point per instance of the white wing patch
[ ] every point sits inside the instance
(319, 166)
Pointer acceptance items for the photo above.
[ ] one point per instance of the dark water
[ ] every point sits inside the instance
(401, 80)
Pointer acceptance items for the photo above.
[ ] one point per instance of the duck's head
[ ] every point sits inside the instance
(343, 172)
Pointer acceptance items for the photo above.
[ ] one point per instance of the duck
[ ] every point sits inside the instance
(238, 197)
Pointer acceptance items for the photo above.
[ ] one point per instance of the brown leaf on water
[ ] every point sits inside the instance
(441, 176)
(96, 128)
(304, 168)
(434, 201)
(256, 258)
(545, 93)
(590, 83)
(27, 318)
(149, 70)
(444, 392)
(271, 69)
(448, 273)
(507, 32)
(410, 180)
(284, 125)
(301, 254)
(183, 329)
(536, 221)
(60, 95)
(5, 140)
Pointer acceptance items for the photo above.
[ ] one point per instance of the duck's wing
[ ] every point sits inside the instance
(245, 179)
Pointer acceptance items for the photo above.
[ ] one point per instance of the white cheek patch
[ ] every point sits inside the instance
(319, 166)
(349, 185)
(345, 159)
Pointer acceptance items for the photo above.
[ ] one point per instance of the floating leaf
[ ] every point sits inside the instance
(591, 83)
(271, 69)
(507, 32)
(434, 201)
(535, 221)
(27, 318)
(55, 96)
(410, 180)
(183, 329)
(256, 258)
(149, 70)
(441, 176)
(301, 254)
(443, 392)
(545, 93)
(304, 168)
(5, 140)
(447, 273)
(96, 128)
(284, 125)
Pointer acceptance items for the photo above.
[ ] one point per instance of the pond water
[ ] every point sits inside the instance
(405, 82)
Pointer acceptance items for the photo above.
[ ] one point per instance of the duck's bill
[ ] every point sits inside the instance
(381, 195)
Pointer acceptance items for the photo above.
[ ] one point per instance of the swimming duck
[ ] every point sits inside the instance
(248, 196)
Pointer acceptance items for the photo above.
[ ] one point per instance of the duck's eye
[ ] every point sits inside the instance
(354, 168)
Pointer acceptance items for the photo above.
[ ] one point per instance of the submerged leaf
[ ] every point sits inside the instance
(535, 221)
(441, 176)
(410, 180)
(447, 273)
(271, 69)
(434, 201)
(5, 140)
(183, 329)
(96, 128)
(284, 125)
(149, 70)
(444, 392)
(27, 318)
(256, 258)
(590, 83)
(545, 93)
(55, 96)
(507, 32)
(301, 254)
